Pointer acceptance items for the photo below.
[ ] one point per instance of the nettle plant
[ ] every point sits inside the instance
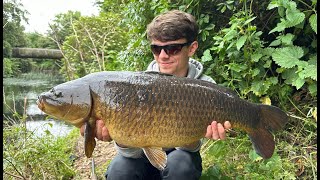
(258, 68)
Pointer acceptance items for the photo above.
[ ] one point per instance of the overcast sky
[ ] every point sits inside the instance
(43, 12)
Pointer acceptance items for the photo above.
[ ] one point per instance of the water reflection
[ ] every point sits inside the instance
(41, 127)
(29, 86)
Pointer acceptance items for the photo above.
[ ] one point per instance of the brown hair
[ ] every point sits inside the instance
(173, 25)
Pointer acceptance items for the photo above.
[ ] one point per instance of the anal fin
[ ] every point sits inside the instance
(156, 156)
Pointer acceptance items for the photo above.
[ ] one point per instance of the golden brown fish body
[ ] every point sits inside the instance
(148, 109)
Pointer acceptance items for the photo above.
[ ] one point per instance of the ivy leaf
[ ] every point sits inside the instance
(313, 22)
(241, 41)
(287, 57)
(206, 56)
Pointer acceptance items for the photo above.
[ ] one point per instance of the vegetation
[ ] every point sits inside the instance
(26, 156)
(265, 51)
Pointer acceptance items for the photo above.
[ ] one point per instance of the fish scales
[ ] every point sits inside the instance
(144, 109)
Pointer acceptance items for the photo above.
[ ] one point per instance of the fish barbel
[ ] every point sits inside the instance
(152, 111)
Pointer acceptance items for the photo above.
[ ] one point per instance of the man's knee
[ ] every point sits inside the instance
(125, 168)
(183, 165)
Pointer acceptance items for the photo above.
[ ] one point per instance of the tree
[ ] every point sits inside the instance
(13, 35)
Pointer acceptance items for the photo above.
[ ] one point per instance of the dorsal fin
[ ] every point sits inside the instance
(157, 72)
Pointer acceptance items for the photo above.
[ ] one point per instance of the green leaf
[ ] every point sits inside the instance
(294, 17)
(276, 42)
(280, 26)
(273, 4)
(298, 83)
(273, 80)
(249, 20)
(241, 41)
(255, 57)
(268, 51)
(237, 67)
(255, 72)
(313, 88)
(287, 39)
(206, 56)
(313, 22)
(287, 57)
(309, 71)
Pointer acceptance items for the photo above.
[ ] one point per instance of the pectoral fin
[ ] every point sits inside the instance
(156, 156)
(89, 141)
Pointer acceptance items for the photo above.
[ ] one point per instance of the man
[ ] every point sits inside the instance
(173, 37)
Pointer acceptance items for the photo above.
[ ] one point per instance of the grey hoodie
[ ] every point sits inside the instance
(195, 71)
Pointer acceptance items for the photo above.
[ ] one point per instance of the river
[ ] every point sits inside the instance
(27, 87)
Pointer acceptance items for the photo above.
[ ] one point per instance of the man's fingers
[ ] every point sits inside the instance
(105, 134)
(221, 131)
(214, 128)
(227, 125)
(209, 132)
(99, 126)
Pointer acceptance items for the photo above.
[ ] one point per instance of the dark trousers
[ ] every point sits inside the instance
(180, 165)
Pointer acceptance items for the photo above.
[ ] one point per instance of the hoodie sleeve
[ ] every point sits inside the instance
(129, 152)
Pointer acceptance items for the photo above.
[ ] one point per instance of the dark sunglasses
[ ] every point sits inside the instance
(170, 49)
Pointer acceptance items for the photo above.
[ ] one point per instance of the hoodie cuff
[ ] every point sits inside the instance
(129, 152)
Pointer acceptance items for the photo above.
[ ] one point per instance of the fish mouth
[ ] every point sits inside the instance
(40, 104)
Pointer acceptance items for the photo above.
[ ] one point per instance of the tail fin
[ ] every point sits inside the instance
(271, 119)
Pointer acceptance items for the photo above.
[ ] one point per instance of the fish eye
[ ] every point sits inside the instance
(59, 94)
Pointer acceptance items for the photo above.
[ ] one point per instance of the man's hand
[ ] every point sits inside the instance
(101, 131)
(217, 131)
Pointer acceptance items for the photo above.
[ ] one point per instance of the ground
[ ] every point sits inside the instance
(103, 152)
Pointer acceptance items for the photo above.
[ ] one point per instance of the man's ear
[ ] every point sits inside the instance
(192, 48)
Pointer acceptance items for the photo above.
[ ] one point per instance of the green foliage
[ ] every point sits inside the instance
(27, 156)
(13, 15)
(10, 67)
(235, 159)
(92, 44)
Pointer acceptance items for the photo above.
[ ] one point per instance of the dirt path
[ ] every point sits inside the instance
(103, 152)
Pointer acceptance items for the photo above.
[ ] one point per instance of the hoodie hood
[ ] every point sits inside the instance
(194, 71)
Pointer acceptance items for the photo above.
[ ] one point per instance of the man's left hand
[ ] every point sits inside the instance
(217, 131)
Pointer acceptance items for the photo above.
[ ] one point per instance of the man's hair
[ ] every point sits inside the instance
(173, 25)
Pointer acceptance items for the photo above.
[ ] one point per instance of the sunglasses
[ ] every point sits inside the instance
(170, 49)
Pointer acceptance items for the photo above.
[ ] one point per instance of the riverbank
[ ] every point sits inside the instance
(103, 153)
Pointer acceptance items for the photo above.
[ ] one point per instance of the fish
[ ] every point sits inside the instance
(152, 111)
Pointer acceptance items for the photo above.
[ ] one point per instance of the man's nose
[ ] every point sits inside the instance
(163, 54)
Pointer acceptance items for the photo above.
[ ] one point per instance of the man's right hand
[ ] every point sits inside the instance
(101, 131)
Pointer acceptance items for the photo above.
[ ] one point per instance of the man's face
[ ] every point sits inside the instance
(175, 61)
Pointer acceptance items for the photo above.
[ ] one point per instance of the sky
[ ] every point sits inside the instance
(42, 12)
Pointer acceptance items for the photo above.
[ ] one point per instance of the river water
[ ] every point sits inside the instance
(26, 88)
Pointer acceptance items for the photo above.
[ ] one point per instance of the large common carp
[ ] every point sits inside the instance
(153, 111)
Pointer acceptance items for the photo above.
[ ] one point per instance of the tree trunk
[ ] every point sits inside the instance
(36, 53)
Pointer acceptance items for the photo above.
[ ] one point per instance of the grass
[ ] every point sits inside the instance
(26, 156)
